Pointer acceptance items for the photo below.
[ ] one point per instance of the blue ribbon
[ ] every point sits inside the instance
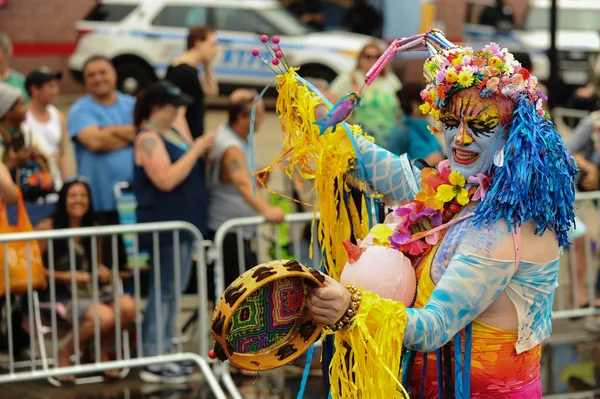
(309, 356)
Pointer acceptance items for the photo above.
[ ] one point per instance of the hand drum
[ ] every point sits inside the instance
(261, 322)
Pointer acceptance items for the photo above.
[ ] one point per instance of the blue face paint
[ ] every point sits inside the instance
(472, 132)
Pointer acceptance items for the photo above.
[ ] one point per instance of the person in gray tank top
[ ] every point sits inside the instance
(230, 186)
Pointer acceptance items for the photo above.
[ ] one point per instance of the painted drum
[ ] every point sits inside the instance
(262, 322)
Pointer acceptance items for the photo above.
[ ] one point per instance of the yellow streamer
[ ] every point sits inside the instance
(326, 159)
(366, 363)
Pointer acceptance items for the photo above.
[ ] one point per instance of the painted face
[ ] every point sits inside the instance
(472, 132)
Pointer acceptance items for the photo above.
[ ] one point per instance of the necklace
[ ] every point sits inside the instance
(442, 197)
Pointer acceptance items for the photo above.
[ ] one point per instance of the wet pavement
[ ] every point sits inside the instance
(272, 385)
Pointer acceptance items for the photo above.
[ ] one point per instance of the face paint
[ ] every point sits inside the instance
(472, 132)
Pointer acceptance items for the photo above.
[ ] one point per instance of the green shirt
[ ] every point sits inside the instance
(17, 80)
(379, 110)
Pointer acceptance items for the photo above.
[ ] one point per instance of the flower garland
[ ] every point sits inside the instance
(443, 195)
(493, 70)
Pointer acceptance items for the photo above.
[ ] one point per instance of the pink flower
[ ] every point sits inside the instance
(433, 238)
(493, 83)
(481, 180)
(415, 248)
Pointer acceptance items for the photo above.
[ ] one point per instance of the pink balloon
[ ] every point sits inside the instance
(381, 270)
(255, 51)
(264, 38)
(275, 61)
(276, 39)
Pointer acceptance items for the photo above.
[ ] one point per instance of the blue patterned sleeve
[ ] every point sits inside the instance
(468, 287)
(387, 173)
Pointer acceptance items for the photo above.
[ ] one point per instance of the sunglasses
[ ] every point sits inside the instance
(371, 56)
(77, 179)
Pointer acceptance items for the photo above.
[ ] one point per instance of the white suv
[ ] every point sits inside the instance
(142, 37)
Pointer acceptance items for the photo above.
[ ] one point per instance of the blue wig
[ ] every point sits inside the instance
(536, 182)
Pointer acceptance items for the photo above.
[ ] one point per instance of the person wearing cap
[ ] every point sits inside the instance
(45, 121)
(25, 157)
(7, 74)
(168, 185)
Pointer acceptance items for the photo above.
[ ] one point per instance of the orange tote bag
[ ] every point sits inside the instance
(17, 253)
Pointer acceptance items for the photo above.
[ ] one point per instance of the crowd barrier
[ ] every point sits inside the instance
(59, 318)
(267, 245)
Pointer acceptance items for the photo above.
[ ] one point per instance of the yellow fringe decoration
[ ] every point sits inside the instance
(366, 363)
(326, 159)
(374, 340)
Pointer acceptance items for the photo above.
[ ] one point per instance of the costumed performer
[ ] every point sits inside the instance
(483, 231)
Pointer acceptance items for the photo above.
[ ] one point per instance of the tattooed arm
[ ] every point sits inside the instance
(151, 154)
(476, 276)
(234, 171)
(389, 174)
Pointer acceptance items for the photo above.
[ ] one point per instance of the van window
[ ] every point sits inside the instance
(110, 12)
(181, 16)
(538, 18)
(241, 20)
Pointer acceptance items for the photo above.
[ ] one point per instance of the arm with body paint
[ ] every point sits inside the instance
(389, 174)
(477, 274)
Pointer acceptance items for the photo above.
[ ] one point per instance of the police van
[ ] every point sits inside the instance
(142, 37)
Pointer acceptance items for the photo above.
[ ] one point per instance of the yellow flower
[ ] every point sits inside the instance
(381, 234)
(425, 108)
(435, 113)
(457, 61)
(447, 192)
(431, 67)
(495, 62)
(451, 76)
(431, 94)
(465, 78)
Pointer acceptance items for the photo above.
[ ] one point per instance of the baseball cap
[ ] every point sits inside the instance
(40, 76)
(8, 97)
(165, 92)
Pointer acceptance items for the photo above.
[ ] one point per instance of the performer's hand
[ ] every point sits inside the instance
(328, 304)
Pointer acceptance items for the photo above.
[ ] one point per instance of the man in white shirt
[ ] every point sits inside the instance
(47, 123)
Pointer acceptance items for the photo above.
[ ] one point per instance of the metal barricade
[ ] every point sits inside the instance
(173, 230)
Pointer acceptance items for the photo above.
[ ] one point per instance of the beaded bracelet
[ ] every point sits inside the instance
(346, 320)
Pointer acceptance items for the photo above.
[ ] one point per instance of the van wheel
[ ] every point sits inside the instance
(132, 77)
(317, 72)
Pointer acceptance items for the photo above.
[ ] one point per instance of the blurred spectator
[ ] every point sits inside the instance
(7, 74)
(101, 126)
(230, 184)
(363, 18)
(30, 165)
(47, 123)
(74, 209)
(585, 141)
(379, 110)
(202, 50)
(166, 185)
(309, 12)
(500, 16)
(412, 135)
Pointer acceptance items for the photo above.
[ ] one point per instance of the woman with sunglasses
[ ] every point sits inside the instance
(169, 186)
(379, 109)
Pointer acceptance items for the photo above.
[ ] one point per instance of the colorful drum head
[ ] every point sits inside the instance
(261, 322)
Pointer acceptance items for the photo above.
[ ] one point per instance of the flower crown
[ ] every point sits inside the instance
(492, 70)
